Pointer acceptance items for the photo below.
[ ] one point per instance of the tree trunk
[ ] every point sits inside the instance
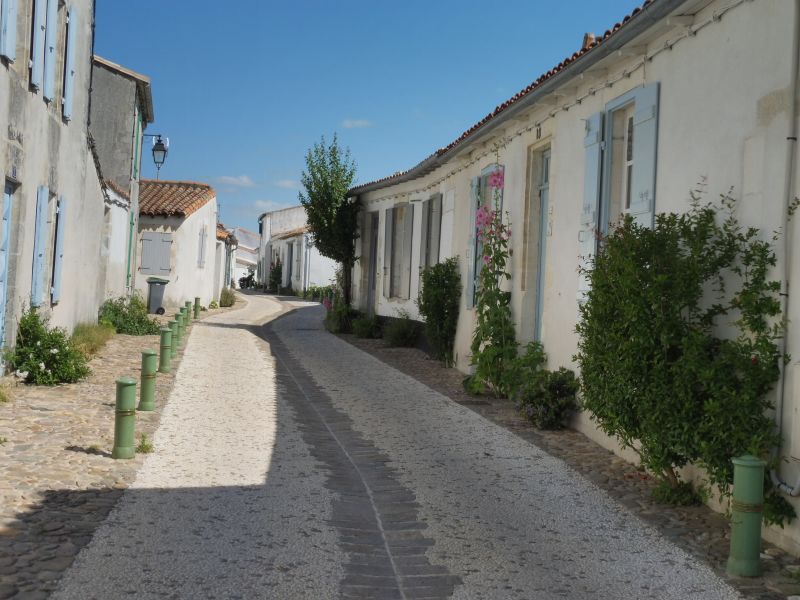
(347, 282)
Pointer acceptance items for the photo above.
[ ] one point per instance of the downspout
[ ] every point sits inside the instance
(791, 157)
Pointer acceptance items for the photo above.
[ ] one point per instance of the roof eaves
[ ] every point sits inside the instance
(633, 25)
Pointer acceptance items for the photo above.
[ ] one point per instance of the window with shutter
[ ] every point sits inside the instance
(38, 24)
(156, 253)
(201, 247)
(5, 233)
(472, 241)
(40, 246)
(8, 29)
(58, 255)
(431, 231)
(388, 229)
(69, 62)
(50, 36)
(587, 235)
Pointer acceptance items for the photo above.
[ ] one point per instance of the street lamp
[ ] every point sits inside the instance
(160, 150)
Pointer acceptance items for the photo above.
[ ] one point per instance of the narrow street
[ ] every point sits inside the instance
(291, 465)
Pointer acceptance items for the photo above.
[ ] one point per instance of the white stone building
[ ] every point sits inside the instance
(678, 91)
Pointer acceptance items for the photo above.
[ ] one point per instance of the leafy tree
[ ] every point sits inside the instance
(332, 216)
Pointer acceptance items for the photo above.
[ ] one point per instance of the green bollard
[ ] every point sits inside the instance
(165, 356)
(197, 307)
(173, 351)
(147, 392)
(125, 419)
(179, 321)
(746, 508)
(188, 305)
(183, 325)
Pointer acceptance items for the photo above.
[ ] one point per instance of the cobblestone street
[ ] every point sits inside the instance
(300, 467)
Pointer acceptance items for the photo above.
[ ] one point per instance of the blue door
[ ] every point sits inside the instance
(5, 231)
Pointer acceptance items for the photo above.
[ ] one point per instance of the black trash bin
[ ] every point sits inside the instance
(155, 295)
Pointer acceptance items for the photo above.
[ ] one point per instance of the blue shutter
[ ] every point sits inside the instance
(435, 228)
(387, 251)
(5, 231)
(8, 29)
(587, 236)
(645, 151)
(50, 36)
(164, 253)
(37, 43)
(472, 242)
(39, 246)
(58, 257)
(69, 62)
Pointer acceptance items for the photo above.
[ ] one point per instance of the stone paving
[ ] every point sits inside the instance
(57, 479)
(697, 529)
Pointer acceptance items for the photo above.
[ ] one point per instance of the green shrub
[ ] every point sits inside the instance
(656, 372)
(90, 338)
(45, 355)
(402, 331)
(438, 303)
(227, 297)
(213, 304)
(366, 327)
(548, 398)
(275, 276)
(524, 367)
(340, 317)
(128, 315)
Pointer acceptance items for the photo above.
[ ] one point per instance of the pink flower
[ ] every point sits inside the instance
(496, 179)
(509, 231)
(483, 217)
(485, 259)
(326, 303)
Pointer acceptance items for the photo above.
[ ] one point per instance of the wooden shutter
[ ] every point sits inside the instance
(37, 43)
(8, 198)
(8, 29)
(69, 63)
(405, 261)
(58, 256)
(163, 254)
(435, 227)
(50, 36)
(39, 246)
(587, 236)
(645, 153)
(472, 258)
(387, 251)
(424, 238)
(149, 253)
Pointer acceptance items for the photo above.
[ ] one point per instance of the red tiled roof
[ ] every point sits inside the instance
(598, 41)
(117, 189)
(291, 233)
(173, 198)
(222, 233)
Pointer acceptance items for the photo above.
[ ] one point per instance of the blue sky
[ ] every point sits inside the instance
(243, 92)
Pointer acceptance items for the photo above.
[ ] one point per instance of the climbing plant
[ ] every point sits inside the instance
(494, 345)
(678, 343)
(438, 304)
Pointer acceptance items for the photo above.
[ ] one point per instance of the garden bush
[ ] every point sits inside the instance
(438, 303)
(227, 297)
(275, 277)
(657, 372)
(128, 315)
(339, 318)
(548, 398)
(90, 338)
(45, 355)
(402, 331)
(366, 327)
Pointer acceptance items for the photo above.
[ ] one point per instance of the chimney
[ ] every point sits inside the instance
(588, 40)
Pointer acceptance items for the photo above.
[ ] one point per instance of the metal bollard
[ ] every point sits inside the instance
(746, 508)
(197, 307)
(188, 305)
(125, 419)
(147, 392)
(165, 356)
(187, 319)
(179, 321)
(183, 324)
(173, 351)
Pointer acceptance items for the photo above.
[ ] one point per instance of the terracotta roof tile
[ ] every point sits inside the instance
(516, 97)
(222, 233)
(117, 189)
(173, 198)
(291, 233)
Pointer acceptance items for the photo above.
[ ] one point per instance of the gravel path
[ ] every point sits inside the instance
(301, 467)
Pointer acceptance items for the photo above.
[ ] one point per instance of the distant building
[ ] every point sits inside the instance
(177, 240)
(121, 109)
(285, 239)
(246, 253)
(224, 257)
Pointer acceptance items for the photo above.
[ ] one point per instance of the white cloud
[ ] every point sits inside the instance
(242, 181)
(288, 184)
(356, 123)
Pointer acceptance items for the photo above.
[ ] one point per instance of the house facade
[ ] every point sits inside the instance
(121, 109)
(53, 208)
(246, 262)
(224, 259)
(285, 238)
(177, 240)
(681, 91)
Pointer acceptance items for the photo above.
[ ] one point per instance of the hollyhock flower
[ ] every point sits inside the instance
(496, 179)
(485, 259)
(326, 303)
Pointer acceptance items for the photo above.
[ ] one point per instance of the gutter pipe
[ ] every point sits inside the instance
(791, 158)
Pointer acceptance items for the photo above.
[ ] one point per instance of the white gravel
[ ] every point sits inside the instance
(231, 504)
(508, 518)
